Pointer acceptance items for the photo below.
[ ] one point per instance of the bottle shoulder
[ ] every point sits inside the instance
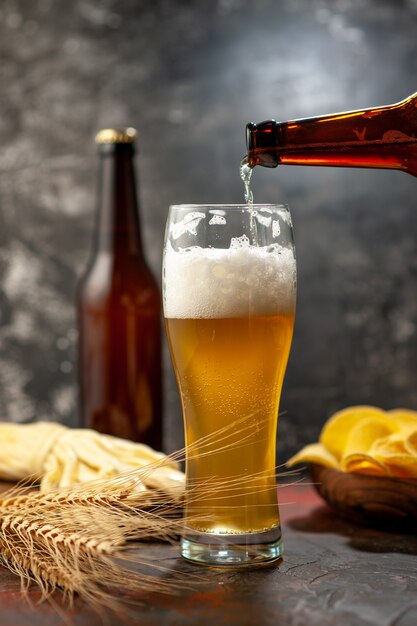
(109, 281)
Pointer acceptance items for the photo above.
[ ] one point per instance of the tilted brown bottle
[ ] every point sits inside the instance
(119, 307)
(383, 137)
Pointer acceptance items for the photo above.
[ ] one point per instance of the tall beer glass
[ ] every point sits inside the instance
(229, 296)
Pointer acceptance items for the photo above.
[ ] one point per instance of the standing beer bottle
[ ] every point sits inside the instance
(382, 137)
(119, 309)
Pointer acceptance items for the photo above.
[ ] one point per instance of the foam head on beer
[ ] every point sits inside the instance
(232, 282)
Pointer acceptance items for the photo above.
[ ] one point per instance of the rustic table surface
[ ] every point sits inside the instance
(333, 574)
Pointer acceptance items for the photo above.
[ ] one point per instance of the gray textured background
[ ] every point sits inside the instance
(189, 75)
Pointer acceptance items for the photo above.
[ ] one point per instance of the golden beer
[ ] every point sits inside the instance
(229, 369)
(229, 311)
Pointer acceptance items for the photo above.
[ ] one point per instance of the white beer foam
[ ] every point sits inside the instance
(241, 280)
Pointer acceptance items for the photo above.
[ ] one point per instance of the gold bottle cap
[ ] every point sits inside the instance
(116, 135)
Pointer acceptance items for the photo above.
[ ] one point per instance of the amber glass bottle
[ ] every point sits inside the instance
(383, 137)
(119, 309)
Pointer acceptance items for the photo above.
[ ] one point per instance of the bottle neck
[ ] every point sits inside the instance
(383, 137)
(118, 227)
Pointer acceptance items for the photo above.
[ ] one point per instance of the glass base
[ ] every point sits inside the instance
(233, 550)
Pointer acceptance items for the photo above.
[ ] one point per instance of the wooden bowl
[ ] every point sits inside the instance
(382, 502)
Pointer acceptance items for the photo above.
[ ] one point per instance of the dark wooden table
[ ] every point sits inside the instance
(333, 574)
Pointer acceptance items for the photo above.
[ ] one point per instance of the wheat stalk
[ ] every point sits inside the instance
(77, 539)
(79, 544)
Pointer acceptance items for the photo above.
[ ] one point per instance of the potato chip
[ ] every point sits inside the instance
(367, 440)
(389, 453)
(336, 430)
(406, 419)
(314, 453)
(363, 464)
(399, 466)
(365, 432)
(393, 445)
(411, 443)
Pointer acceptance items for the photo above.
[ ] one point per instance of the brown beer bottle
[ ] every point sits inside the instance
(119, 306)
(383, 137)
